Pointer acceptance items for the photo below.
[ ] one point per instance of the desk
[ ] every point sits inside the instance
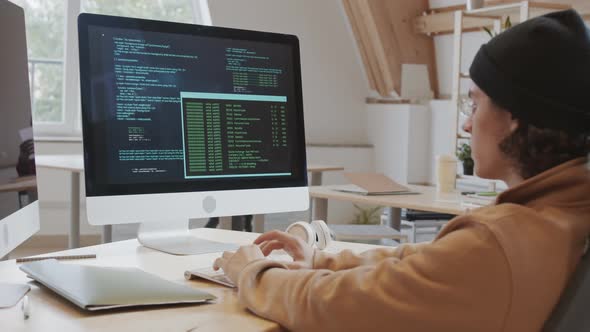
(317, 172)
(30, 183)
(428, 200)
(73, 163)
(50, 312)
(19, 185)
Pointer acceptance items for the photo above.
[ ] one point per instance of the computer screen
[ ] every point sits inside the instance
(19, 215)
(186, 121)
(171, 107)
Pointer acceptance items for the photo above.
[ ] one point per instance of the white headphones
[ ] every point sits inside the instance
(316, 232)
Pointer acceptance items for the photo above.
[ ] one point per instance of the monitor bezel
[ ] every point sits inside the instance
(90, 143)
(23, 221)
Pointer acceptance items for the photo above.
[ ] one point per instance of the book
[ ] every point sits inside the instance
(479, 199)
(373, 184)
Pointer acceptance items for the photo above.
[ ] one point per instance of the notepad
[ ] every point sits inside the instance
(98, 288)
(373, 184)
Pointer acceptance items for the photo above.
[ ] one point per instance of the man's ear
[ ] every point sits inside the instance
(514, 124)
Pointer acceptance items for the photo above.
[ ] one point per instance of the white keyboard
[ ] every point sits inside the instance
(209, 274)
(219, 276)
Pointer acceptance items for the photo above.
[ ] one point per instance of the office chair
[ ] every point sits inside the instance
(572, 312)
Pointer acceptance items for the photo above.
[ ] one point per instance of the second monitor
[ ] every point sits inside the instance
(185, 121)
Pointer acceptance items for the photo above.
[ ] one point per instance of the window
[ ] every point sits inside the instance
(52, 42)
(167, 10)
(45, 40)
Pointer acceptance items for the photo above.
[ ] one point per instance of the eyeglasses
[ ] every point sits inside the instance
(466, 106)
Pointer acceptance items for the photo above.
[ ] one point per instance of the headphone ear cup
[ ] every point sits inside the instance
(323, 238)
(304, 231)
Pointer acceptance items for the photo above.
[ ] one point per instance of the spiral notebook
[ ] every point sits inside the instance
(98, 288)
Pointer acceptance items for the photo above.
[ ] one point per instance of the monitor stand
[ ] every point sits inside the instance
(174, 237)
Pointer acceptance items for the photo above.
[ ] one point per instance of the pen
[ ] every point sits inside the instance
(33, 259)
(26, 307)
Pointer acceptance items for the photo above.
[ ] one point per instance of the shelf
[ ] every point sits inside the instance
(442, 21)
(372, 100)
(535, 9)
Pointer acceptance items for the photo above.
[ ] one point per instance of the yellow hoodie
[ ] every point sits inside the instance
(499, 268)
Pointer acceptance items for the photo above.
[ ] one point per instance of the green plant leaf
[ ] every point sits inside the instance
(367, 216)
(464, 153)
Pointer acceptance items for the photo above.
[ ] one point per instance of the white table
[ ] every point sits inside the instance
(428, 200)
(26, 185)
(316, 171)
(50, 312)
(73, 163)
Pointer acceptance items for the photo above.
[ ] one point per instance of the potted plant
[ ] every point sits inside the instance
(507, 24)
(464, 155)
(367, 216)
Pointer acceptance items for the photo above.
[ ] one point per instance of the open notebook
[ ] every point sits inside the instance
(373, 184)
(97, 288)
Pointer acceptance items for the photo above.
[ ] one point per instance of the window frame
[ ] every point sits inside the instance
(71, 127)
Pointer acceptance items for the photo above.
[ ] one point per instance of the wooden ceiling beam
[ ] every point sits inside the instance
(384, 33)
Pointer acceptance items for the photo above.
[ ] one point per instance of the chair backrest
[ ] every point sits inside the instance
(572, 313)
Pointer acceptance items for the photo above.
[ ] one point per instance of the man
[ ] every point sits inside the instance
(498, 268)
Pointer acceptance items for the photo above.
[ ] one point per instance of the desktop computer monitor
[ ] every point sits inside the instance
(186, 121)
(19, 214)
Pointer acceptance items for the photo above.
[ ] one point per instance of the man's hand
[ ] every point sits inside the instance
(233, 263)
(300, 251)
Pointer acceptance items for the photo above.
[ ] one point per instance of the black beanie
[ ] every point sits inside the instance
(539, 71)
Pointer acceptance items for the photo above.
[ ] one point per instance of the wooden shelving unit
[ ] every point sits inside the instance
(443, 22)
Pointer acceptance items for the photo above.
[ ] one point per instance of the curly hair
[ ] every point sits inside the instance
(535, 150)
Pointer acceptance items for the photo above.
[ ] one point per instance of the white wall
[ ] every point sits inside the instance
(334, 84)
(401, 137)
(443, 46)
(440, 133)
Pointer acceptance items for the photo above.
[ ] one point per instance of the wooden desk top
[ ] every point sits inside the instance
(324, 168)
(428, 199)
(50, 312)
(30, 183)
